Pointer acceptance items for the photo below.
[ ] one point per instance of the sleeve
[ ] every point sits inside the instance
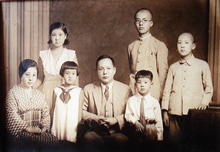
(54, 98)
(207, 84)
(86, 115)
(129, 112)
(75, 59)
(162, 65)
(14, 122)
(124, 99)
(167, 90)
(80, 105)
(159, 122)
(45, 115)
(129, 57)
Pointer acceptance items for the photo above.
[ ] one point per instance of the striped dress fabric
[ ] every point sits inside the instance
(23, 110)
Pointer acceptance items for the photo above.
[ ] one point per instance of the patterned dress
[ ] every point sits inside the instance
(50, 69)
(24, 110)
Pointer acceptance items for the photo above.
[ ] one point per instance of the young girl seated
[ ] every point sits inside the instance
(66, 104)
(27, 114)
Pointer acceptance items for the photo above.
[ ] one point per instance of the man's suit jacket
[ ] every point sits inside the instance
(93, 98)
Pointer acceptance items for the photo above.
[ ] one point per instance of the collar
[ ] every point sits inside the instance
(189, 61)
(143, 38)
(145, 97)
(109, 85)
(70, 88)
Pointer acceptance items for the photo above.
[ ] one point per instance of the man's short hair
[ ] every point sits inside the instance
(105, 57)
(142, 9)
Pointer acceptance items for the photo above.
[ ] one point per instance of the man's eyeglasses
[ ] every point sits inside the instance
(143, 21)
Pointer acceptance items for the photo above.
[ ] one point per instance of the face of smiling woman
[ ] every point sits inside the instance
(106, 71)
(29, 78)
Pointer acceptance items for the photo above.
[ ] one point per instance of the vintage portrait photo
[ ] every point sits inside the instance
(110, 75)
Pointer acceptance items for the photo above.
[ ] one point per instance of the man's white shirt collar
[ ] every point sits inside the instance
(145, 97)
(109, 85)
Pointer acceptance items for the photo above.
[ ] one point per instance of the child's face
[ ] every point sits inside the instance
(57, 37)
(143, 22)
(70, 76)
(143, 85)
(29, 77)
(185, 45)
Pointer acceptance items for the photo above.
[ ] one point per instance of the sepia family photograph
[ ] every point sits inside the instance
(110, 75)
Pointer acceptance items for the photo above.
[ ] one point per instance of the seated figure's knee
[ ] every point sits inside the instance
(117, 140)
(92, 138)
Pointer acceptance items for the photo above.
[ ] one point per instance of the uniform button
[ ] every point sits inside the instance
(137, 61)
(183, 86)
(140, 43)
(139, 52)
(184, 78)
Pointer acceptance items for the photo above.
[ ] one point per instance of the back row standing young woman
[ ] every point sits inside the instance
(51, 60)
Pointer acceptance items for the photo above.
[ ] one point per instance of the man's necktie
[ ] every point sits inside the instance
(142, 115)
(106, 93)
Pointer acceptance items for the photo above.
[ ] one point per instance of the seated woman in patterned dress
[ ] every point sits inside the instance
(27, 114)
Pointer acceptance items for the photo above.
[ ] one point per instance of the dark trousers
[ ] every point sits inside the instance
(94, 141)
(179, 129)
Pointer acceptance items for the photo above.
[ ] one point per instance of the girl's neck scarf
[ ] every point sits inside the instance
(65, 95)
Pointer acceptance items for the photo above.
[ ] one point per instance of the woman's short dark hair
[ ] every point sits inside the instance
(105, 57)
(69, 65)
(144, 74)
(25, 64)
(62, 26)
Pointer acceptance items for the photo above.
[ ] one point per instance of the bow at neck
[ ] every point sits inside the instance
(65, 95)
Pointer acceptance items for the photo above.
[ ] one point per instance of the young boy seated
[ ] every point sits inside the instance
(143, 111)
(188, 86)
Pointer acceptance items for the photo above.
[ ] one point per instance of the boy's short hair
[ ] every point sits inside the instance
(105, 57)
(62, 26)
(69, 65)
(193, 38)
(144, 74)
(142, 9)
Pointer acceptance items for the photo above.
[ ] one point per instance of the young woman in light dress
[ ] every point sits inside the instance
(51, 60)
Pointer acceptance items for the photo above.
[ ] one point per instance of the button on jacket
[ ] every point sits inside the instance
(149, 54)
(188, 84)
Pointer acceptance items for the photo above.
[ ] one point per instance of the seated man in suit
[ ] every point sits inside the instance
(104, 107)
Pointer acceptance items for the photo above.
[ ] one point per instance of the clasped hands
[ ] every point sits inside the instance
(35, 130)
(105, 121)
(139, 127)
